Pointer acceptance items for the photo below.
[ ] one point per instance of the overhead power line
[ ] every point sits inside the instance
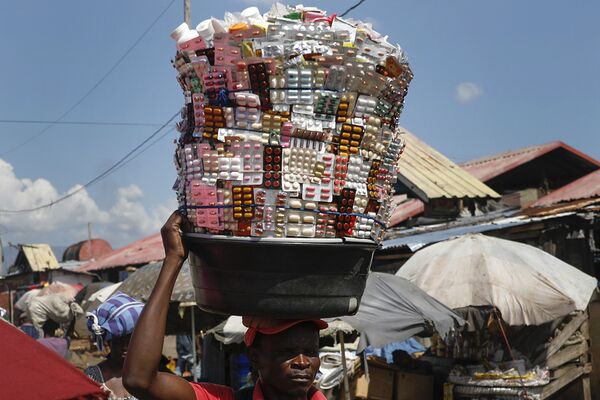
(94, 86)
(158, 139)
(124, 160)
(99, 123)
(351, 8)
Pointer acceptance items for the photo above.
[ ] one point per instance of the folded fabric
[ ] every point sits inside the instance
(116, 317)
(59, 307)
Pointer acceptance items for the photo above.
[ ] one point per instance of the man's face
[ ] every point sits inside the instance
(288, 361)
(118, 347)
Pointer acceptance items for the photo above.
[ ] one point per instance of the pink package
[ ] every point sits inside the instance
(201, 66)
(192, 45)
(206, 195)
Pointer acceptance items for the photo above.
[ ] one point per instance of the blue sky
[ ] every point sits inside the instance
(489, 76)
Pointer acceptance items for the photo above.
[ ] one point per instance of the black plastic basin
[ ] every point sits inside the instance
(279, 278)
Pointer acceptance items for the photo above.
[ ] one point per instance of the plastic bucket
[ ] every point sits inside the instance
(279, 278)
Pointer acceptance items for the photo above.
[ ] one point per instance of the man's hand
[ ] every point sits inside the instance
(171, 233)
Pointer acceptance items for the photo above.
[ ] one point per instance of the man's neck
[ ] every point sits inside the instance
(112, 367)
(271, 393)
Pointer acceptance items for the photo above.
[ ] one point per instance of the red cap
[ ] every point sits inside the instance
(273, 326)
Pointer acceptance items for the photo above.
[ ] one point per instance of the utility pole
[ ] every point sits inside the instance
(186, 12)
(90, 241)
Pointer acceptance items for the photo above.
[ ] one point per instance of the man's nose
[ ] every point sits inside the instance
(301, 362)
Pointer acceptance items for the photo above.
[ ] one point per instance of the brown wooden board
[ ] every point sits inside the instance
(562, 337)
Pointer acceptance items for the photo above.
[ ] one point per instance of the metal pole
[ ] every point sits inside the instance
(186, 13)
(11, 307)
(344, 366)
(194, 360)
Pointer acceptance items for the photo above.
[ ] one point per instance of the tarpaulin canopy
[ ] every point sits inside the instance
(139, 285)
(29, 370)
(393, 310)
(83, 297)
(527, 285)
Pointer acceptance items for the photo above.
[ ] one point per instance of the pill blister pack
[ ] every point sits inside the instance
(289, 127)
(251, 157)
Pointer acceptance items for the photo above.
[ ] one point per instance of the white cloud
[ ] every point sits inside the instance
(126, 220)
(468, 91)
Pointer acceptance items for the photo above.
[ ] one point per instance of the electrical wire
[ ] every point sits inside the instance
(91, 90)
(158, 139)
(120, 163)
(99, 123)
(351, 8)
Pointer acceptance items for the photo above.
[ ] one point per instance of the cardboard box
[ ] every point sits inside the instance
(380, 385)
(410, 386)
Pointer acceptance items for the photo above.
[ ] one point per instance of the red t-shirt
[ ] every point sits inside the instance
(209, 391)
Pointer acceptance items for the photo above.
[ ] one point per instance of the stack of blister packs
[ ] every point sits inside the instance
(290, 125)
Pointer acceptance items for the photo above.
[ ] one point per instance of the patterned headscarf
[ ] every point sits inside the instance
(116, 317)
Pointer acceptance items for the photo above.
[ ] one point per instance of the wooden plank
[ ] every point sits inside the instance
(562, 337)
(587, 388)
(571, 373)
(567, 354)
(585, 329)
(594, 328)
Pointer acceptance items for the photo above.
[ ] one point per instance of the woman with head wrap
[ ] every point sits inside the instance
(112, 324)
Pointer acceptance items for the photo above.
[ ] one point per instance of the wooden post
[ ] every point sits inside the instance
(594, 330)
(344, 365)
(587, 388)
(194, 359)
(186, 12)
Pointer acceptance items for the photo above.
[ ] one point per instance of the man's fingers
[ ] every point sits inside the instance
(185, 224)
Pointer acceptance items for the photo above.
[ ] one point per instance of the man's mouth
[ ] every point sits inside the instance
(302, 378)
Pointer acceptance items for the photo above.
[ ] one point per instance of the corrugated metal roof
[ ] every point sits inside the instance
(586, 187)
(430, 175)
(143, 251)
(433, 234)
(39, 256)
(579, 206)
(489, 167)
(406, 209)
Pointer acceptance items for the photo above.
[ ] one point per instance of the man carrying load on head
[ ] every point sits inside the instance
(285, 353)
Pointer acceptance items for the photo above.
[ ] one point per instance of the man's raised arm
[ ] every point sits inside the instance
(140, 375)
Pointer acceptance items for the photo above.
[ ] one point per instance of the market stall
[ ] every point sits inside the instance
(526, 331)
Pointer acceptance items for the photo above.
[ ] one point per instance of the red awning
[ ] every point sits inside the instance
(29, 370)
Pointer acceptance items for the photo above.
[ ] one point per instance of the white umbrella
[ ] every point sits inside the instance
(527, 285)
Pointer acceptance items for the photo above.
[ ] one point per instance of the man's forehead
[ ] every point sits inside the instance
(301, 334)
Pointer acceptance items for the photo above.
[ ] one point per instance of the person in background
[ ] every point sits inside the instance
(284, 353)
(112, 324)
(26, 326)
(55, 342)
(184, 354)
